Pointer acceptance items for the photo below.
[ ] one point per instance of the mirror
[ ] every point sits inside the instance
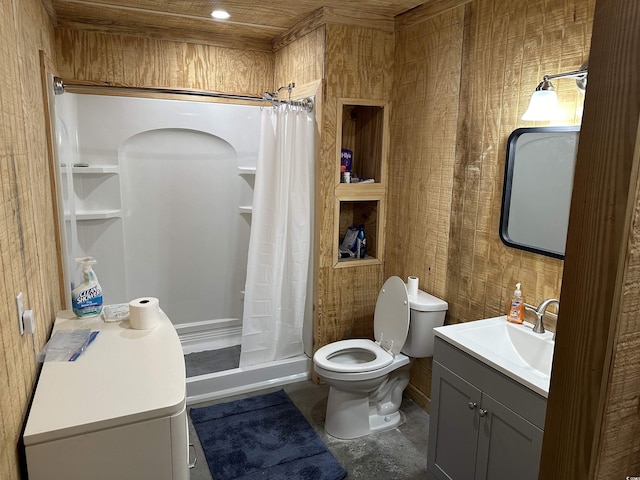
(536, 195)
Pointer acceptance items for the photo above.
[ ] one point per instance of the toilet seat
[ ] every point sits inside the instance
(392, 314)
(328, 357)
(391, 325)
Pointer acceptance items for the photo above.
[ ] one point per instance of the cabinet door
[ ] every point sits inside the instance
(453, 428)
(508, 446)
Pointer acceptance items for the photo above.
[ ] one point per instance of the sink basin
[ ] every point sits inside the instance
(514, 350)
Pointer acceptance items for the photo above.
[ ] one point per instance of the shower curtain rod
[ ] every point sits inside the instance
(59, 86)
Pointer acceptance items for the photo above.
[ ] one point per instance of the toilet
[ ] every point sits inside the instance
(366, 378)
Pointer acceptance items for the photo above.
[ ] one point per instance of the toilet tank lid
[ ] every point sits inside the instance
(424, 302)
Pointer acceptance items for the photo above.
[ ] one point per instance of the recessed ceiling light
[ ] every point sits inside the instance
(220, 14)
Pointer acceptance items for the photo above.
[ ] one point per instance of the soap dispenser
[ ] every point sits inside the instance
(516, 307)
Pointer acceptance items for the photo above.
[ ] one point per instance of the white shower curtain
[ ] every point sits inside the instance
(280, 241)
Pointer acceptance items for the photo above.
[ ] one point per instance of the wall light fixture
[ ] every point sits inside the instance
(543, 105)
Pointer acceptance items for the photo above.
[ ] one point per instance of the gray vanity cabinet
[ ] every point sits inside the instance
(483, 424)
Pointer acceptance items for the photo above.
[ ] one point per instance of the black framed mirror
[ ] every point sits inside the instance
(536, 194)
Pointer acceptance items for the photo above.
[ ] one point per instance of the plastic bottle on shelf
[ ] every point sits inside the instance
(361, 248)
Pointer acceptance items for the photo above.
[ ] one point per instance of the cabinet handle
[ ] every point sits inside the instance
(482, 412)
(472, 405)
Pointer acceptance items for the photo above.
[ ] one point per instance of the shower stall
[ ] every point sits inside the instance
(159, 192)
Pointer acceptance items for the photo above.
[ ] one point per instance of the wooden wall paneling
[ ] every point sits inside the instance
(425, 12)
(335, 16)
(592, 426)
(508, 44)
(136, 61)
(301, 61)
(421, 166)
(619, 450)
(27, 239)
(421, 158)
(358, 64)
(462, 81)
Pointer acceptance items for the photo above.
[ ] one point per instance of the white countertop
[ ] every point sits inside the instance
(489, 341)
(124, 376)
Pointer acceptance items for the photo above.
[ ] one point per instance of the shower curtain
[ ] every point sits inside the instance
(280, 241)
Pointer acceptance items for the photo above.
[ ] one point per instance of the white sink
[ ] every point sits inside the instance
(514, 350)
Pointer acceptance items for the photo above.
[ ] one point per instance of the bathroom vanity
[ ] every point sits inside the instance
(117, 412)
(487, 414)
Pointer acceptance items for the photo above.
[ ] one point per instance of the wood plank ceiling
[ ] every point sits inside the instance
(253, 24)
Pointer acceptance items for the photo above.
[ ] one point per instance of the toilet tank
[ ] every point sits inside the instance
(427, 312)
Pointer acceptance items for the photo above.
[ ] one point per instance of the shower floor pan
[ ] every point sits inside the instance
(212, 386)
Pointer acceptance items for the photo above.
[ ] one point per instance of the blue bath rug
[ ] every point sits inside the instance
(263, 437)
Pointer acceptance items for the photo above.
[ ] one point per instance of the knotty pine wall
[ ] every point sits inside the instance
(28, 251)
(462, 81)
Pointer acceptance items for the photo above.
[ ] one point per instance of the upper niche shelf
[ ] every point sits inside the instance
(247, 170)
(362, 131)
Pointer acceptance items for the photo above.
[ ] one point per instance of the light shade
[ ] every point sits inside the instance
(543, 106)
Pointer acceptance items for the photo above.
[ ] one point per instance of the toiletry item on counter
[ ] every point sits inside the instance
(516, 307)
(86, 298)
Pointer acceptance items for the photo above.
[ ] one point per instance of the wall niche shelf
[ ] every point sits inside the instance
(363, 128)
(246, 170)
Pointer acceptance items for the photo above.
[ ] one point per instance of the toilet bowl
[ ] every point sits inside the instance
(366, 378)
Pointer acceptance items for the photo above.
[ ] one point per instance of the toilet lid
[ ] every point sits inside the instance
(391, 318)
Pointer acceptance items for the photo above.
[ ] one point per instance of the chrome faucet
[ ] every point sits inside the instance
(539, 327)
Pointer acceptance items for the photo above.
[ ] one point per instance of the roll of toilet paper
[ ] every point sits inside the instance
(144, 313)
(412, 285)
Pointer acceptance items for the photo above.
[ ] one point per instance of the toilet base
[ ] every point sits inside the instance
(350, 416)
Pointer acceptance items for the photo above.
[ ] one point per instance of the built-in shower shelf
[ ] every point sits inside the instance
(245, 208)
(246, 170)
(95, 215)
(92, 169)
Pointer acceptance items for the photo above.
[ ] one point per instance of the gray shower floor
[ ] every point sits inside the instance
(210, 361)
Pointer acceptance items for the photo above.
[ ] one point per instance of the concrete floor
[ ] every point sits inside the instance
(399, 454)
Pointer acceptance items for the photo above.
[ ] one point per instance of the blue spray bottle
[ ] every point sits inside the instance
(361, 249)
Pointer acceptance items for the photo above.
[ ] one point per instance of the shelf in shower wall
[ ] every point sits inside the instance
(106, 169)
(95, 215)
(246, 170)
(245, 208)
